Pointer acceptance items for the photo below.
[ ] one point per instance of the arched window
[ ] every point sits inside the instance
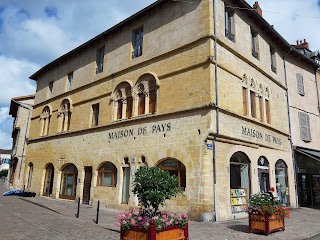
(48, 180)
(141, 99)
(282, 182)
(69, 182)
(65, 115)
(175, 167)
(123, 101)
(45, 121)
(107, 175)
(239, 172)
(146, 91)
(263, 174)
(30, 175)
(13, 167)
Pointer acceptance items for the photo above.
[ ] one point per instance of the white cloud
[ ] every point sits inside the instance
(5, 128)
(14, 79)
(293, 19)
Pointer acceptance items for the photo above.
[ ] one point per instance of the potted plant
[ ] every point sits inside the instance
(266, 215)
(153, 186)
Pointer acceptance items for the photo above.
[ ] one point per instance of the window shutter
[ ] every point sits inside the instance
(300, 84)
(304, 127)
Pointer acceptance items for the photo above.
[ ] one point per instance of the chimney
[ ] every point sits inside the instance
(302, 45)
(257, 8)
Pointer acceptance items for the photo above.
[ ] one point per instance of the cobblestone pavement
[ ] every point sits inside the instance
(46, 218)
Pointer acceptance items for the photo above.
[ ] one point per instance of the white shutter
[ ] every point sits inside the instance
(300, 84)
(304, 127)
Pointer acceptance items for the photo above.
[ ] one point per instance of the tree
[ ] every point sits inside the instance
(153, 186)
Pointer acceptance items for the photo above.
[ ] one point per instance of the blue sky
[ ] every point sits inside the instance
(33, 33)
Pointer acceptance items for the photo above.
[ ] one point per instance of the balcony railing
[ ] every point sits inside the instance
(229, 35)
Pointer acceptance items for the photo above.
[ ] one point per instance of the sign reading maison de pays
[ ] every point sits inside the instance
(131, 132)
(260, 135)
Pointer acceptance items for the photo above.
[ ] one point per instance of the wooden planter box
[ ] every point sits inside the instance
(265, 224)
(170, 233)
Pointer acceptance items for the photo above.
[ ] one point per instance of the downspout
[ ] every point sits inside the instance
(217, 113)
(290, 131)
(315, 75)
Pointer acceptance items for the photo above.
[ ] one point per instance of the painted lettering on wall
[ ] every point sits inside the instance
(140, 131)
(260, 135)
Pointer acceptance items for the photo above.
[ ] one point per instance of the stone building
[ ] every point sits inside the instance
(303, 84)
(197, 89)
(21, 111)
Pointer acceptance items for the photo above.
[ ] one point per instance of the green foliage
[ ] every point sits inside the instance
(153, 186)
(3, 173)
(263, 203)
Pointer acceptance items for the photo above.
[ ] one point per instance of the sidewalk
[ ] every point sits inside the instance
(303, 224)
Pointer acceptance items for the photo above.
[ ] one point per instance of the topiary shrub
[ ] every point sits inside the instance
(153, 186)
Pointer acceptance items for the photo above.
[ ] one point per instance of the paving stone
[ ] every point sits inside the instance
(54, 219)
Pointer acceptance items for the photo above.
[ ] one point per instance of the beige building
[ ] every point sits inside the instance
(21, 111)
(305, 122)
(199, 94)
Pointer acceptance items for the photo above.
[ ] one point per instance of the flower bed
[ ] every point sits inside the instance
(139, 226)
(265, 214)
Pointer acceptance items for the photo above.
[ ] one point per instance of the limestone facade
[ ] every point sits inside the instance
(163, 105)
(21, 111)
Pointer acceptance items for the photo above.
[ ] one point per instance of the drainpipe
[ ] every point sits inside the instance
(217, 113)
(290, 131)
(25, 136)
(315, 75)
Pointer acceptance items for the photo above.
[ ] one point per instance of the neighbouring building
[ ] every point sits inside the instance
(304, 108)
(196, 89)
(21, 111)
(5, 156)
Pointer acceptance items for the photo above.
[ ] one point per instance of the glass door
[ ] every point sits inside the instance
(126, 185)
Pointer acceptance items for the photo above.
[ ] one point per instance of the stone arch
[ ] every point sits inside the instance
(121, 85)
(240, 171)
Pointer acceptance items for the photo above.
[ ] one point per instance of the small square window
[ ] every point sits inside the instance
(70, 80)
(273, 60)
(95, 115)
(229, 25)
(50, 89)
(255, 44)
(99, 60)
(137, 43)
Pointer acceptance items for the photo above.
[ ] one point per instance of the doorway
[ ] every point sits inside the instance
(263, 174)
(126, 185)
(69, 181)
(48, 180)
(87, 185)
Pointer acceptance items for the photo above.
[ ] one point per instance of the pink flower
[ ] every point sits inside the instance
(118, 224)
(139, 218)
(124, 222)
(168, 223)
(147, 224)
(132, 221)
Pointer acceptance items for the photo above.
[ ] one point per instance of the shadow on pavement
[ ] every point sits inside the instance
(240, 228)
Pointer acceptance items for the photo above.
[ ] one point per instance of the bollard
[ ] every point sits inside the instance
(97, 217)
(78, 211)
